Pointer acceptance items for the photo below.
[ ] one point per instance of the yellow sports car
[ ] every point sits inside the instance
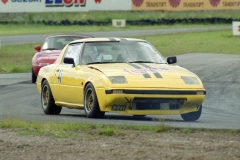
(122, 75)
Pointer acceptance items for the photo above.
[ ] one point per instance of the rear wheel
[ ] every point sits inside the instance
(34, 77)
(48, 103)
(91, 105)
(192, 116)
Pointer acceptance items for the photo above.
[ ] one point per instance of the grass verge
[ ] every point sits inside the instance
(222, 42)
(16, 58)
(23, 29)
(74, 130)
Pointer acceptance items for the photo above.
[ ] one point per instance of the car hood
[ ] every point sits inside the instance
(48, 56)
(149, 74)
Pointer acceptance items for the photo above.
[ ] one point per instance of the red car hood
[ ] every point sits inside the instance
(48, 56)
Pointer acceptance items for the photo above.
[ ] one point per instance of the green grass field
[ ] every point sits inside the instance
(71, 130)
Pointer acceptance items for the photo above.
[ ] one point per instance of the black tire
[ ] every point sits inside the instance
(48, 103)
(192, 116)
(34, 77)
(91, 105)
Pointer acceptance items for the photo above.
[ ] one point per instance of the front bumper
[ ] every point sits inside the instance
(145, 102)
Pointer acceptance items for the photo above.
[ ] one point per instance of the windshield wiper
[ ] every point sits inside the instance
(98, 62)
(145, 62)
(141, 62)
(93, 63)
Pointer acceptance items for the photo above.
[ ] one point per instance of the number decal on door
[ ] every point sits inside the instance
(60, 75)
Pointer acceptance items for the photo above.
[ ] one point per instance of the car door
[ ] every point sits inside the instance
(67, 86)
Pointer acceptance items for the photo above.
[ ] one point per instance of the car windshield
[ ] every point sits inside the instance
(58, 43)
(121, 52)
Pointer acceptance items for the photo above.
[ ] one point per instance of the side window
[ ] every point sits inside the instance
(73, 51)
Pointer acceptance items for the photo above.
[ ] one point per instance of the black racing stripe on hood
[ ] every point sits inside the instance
(157, 75)
(146, 75)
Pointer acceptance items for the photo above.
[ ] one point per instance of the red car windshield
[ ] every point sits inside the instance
(58, 43)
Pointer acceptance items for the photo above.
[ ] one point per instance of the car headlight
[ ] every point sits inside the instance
(190, 80)
(117, 79)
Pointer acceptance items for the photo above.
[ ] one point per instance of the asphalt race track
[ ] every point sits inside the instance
(221, 109)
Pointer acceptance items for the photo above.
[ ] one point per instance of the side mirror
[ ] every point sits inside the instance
(37, 48)
(172, 60)
(69, 60)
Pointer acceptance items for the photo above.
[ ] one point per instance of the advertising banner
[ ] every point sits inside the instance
(185, 5)
(7, 6)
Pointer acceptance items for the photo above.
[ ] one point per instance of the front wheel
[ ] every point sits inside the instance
(48, 103)
(192, 116)
(91, 105)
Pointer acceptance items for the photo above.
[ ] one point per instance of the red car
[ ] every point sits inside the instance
(49, 52)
